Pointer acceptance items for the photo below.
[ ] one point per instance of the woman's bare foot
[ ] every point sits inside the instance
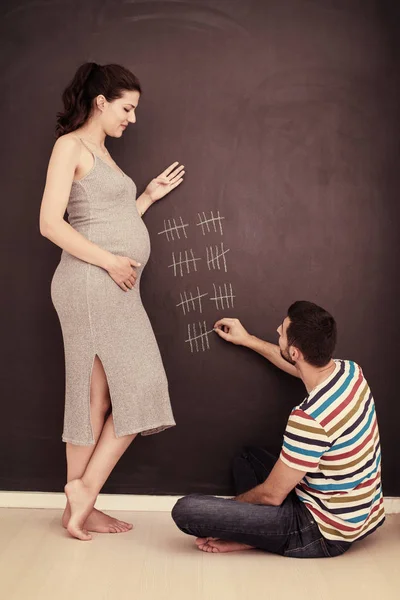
(215, 545)
(81, 500)
(99, 522)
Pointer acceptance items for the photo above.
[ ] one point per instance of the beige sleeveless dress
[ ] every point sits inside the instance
(98, 318)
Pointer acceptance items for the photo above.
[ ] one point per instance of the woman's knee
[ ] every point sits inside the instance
(100, 403)
(100, 400)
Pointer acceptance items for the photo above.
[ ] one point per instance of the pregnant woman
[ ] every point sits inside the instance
(116, 385)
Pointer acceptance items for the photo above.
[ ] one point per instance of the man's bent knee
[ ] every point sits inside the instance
(184, 509)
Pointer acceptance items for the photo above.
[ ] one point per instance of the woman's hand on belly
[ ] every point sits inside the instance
(122, 270)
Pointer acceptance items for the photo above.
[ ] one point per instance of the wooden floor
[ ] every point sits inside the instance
(155, 561)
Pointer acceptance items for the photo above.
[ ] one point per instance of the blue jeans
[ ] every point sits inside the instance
(288, 529)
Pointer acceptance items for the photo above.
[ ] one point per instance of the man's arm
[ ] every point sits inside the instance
(305, 441)
(275, 488)
(233, 331)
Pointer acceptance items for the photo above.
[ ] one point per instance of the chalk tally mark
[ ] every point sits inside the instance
(190, 302)
(216, 257)
(223, 296)
(184, 262)
(210, 223)
(198, 337)
(173, 229)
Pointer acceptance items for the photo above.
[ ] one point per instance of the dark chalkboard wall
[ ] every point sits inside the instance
(285, 114)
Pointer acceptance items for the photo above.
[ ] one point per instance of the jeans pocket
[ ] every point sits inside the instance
(335, 548)
(315, 549)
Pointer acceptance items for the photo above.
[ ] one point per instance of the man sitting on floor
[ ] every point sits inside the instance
(324, 491)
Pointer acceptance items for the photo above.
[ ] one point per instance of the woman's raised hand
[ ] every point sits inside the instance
(167, 181)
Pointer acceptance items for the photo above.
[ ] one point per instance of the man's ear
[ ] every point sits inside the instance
(295, 353)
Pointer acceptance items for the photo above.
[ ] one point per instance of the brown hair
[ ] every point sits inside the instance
(313, 331)
(90, 81)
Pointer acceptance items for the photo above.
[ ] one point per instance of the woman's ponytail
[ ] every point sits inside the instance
(77, 101)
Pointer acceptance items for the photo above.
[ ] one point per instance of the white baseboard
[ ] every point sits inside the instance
(128, 502)
(104, 502)
(392, 505)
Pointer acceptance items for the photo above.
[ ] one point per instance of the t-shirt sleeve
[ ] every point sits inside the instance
(304, 442)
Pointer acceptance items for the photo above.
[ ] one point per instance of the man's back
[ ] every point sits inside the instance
(333, 435)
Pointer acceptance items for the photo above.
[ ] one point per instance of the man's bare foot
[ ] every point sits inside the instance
(99, 522)
(215, 545)
(81, 500)
(202, 541)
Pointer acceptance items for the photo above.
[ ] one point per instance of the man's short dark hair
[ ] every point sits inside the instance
(313, 331)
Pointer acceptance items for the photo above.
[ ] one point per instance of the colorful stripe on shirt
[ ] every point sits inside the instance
(333, 436)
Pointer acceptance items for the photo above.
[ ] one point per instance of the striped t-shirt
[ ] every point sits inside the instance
(333, 435)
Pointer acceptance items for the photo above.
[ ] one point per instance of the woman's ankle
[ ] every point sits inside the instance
(91, 487)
